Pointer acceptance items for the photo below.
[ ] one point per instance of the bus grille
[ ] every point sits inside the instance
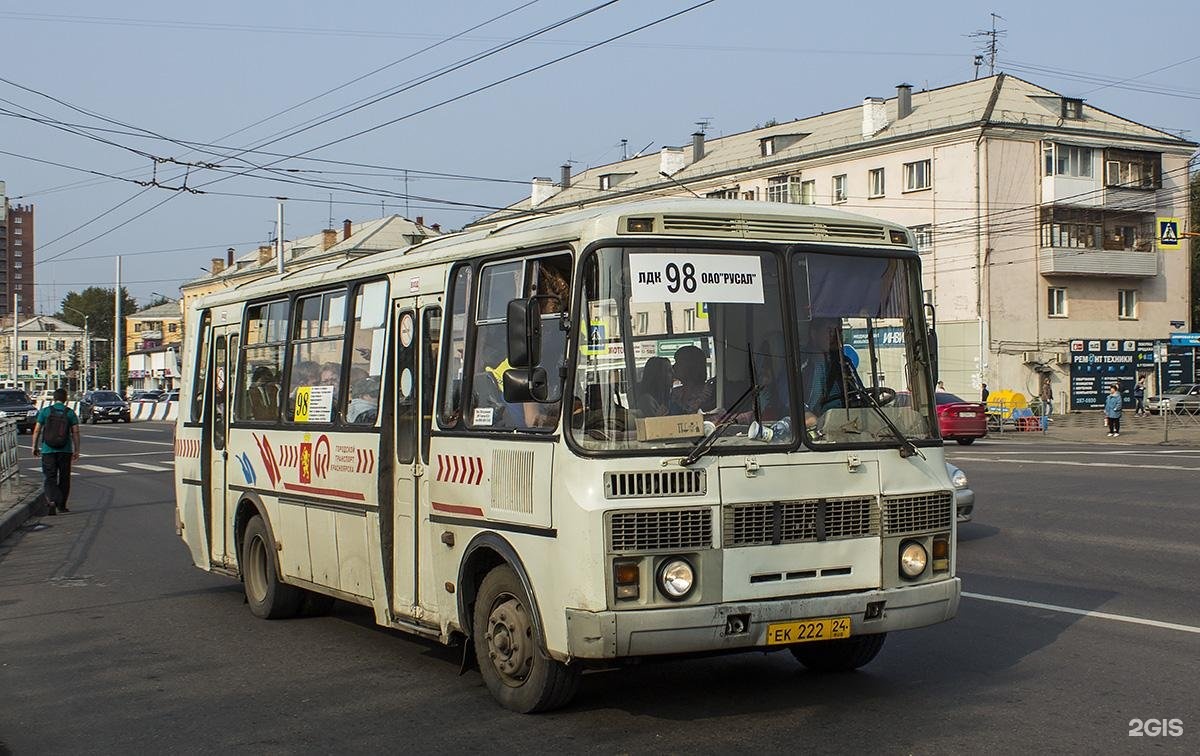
(635, 485)
(660, 530)
(918, 512)
(799, 521)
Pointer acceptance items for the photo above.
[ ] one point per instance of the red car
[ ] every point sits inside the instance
(958, 419)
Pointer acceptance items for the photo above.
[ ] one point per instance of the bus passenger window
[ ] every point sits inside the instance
(452, 377)
(200, 384)
(261, 363)
(367, 332)
(317, 345)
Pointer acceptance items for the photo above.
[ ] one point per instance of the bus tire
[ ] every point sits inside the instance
(514, 668)
(268, 597)
(966, 441)
(841, 655)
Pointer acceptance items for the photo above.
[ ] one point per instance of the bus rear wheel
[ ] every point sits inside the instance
(517, 673)
(841, 655)
(269, 598)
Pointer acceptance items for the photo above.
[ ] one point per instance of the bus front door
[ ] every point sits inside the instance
(416, 339)
(217, 426)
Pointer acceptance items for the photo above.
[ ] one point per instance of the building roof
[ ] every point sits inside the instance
(1000, 101)
(367, 237)
(47, 323)
(164, 311)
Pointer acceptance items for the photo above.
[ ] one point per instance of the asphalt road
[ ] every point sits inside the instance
(111, 641)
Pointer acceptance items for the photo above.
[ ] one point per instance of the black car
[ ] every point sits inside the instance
(17, 405)
(103, 405)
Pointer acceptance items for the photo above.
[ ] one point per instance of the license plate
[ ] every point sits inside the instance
(801, 631)
(966, 414)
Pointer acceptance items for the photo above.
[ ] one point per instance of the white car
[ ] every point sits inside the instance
(964, 497)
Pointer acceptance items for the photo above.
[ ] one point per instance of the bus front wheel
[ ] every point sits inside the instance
(517, 673)
(841, 655)
(268, 597)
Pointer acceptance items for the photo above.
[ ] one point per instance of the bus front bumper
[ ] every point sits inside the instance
(715, 627)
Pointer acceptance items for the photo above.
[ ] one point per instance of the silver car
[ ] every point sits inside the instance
(1185, 398)
(964, 497)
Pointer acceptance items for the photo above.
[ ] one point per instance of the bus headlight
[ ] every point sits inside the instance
(959, 479)
(913, 559)
(676, 578)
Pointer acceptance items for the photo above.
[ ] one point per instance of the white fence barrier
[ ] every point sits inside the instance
(167, 411)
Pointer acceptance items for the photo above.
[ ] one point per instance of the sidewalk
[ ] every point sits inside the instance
(1090, 428)
(18, 497)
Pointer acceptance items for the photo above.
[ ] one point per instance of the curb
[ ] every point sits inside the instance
(16, 516)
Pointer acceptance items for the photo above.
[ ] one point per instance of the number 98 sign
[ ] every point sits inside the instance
(703, 278)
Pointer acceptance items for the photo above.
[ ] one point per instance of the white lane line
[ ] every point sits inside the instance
(1073, 464)
(129, 454)
(143, 466)
(1115, 453)
(97, 468)
(145, 430)
(130, 440)
(1085, 612)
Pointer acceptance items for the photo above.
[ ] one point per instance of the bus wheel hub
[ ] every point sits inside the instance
(510, 642)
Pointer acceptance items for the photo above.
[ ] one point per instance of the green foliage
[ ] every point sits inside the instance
(97, 303)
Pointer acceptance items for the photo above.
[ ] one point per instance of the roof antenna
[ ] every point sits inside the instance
(992, 46)
(703, 124)
(624, 149)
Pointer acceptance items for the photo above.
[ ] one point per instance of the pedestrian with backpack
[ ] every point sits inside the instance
(56, 441)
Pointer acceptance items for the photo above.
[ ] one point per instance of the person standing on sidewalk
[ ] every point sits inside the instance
(56, 441)
(1139, 397)
(1112, 410)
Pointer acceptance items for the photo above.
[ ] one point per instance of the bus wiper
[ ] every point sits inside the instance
(726, 420)
(907, 449)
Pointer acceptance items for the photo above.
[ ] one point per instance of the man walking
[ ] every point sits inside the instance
(56, 441)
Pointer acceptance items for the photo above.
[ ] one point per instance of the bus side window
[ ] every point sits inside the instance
(361, 404)
(450, 409)
(200, 385)
(260, 365)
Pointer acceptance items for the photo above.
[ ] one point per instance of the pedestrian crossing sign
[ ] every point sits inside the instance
(1168, 233)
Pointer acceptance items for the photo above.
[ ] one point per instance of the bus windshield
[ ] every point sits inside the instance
(679, 345)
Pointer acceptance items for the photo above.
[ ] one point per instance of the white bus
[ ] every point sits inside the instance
(571, 440)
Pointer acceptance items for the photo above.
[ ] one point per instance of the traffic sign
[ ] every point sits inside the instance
(1168, 233)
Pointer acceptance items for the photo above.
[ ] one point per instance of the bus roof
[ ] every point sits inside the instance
(671, 218)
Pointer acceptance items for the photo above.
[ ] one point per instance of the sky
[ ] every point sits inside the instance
(151, 80)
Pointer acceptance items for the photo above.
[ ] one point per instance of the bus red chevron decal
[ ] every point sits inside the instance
(457, 468)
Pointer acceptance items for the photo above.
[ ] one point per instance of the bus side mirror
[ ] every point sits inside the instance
(526, 385)
(524, 329)
(933, 354)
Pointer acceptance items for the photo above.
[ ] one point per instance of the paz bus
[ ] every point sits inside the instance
(567, 441)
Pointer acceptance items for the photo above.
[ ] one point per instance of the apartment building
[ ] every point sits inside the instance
(153, 337)
(16, 257)
(1035, 213)
(49, 354)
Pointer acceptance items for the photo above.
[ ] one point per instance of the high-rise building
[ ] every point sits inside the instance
(16, 257)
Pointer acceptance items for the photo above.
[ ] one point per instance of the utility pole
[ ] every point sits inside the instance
(16, 366)
(116, 345)
(279, 240)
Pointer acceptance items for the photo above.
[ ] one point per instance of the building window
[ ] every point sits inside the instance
(767, 146)
(918, 175)
(18, 220)
(137, 327)
(1067, 160)
(1127, 169)
(24, 345)
(779, 189)
(18, 231)
(41, 345)
(18, 264)
(923, 236)
(839, 188)
(1127, 304)
(750, 195)
(1072, 108)
(1056, 305)
(172, 328)
(733, 193)
(42, 365)
(808, 192)
(605, 183)
(875, 180)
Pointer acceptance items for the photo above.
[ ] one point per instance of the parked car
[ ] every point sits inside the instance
(964, 497)
(16, 404)
(103, 405)
(958, 419)
(146, 395)
(1185, 398)
(170, 396)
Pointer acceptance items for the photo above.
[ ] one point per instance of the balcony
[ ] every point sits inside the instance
(1057, 261)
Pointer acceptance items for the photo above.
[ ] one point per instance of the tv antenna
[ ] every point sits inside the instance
(703, 124)
(991, 44)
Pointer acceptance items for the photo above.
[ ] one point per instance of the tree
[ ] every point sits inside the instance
(97, 303)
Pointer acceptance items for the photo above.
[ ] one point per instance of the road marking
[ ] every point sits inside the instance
(1085, 612)
(132, 440)
(1073, 464)
(143, 466)
(1114, 453)
(97, 468)
(145, 430)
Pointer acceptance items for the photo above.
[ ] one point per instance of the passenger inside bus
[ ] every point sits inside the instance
(364, 404)
(696, 392)
(263, 394)
(826, 371)
(654, 390)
